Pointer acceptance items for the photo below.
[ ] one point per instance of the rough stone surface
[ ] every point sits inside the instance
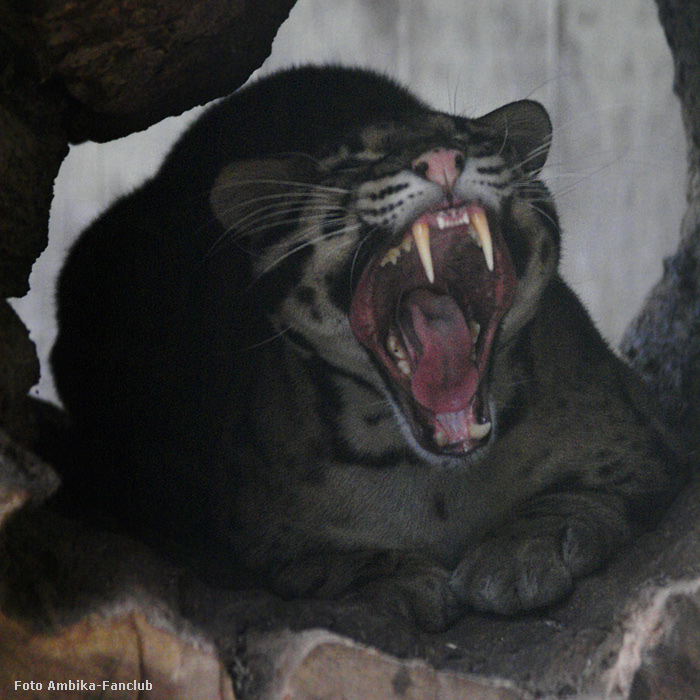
(660, 654)
(113, 655)
(24, 479)
(97, 70)
(317, 664)
(19, 371)
(83, 605)
(663, 342)
(127, 64)
(32, 146)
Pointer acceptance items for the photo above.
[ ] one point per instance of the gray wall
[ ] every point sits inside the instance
(603, 70)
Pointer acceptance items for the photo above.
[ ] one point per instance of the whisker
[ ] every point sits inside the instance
(574, 183)
(268, 218)
(308, 186)
(355, 256)
(278, 197)
(277, 209)
(542, 213)
(535, 153)
(267, 341)
(301, 246)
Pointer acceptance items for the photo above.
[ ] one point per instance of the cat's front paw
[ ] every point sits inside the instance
(418, 592)
(514, 571)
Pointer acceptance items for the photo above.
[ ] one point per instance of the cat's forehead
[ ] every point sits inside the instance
(382, 135)
(379, 138)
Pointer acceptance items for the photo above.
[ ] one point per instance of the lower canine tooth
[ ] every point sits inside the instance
(441, 438)
(477, 431)
(404, 367)
(421, 235)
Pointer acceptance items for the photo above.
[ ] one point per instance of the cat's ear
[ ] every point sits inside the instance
(246, 188)
(524, 126)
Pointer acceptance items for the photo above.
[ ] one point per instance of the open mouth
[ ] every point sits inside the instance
(428, 309)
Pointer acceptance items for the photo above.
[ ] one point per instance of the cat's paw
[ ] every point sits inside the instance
(514, 571)
(418, 592)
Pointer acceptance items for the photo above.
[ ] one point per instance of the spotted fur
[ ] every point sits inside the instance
(208, 358)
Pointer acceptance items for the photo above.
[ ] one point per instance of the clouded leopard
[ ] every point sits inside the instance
(327, 344)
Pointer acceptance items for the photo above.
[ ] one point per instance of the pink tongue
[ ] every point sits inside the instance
(444, 378)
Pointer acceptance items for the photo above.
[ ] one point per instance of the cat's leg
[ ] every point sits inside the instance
(400, 586)
(418, 591)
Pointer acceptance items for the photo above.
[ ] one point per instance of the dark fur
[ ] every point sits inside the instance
(222, 433)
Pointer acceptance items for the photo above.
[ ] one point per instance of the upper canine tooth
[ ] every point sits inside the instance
(481, 226)
(421, 235)
(394, 348)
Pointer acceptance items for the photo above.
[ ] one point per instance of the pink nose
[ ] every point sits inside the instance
(441, 165)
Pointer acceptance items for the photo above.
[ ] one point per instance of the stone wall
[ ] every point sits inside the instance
(97, 70)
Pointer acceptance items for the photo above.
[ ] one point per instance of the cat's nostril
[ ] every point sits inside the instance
(421, 168)
(440, 165)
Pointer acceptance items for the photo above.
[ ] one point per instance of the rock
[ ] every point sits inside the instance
(125, 66)
(113, 654)
(660, 654)
(98, 70)
(316, 664)
(19, 371)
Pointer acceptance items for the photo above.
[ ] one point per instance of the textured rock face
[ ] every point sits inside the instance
(97, 70)
(103, 68)
(123, 66)
(663, 343)
(661, 652)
